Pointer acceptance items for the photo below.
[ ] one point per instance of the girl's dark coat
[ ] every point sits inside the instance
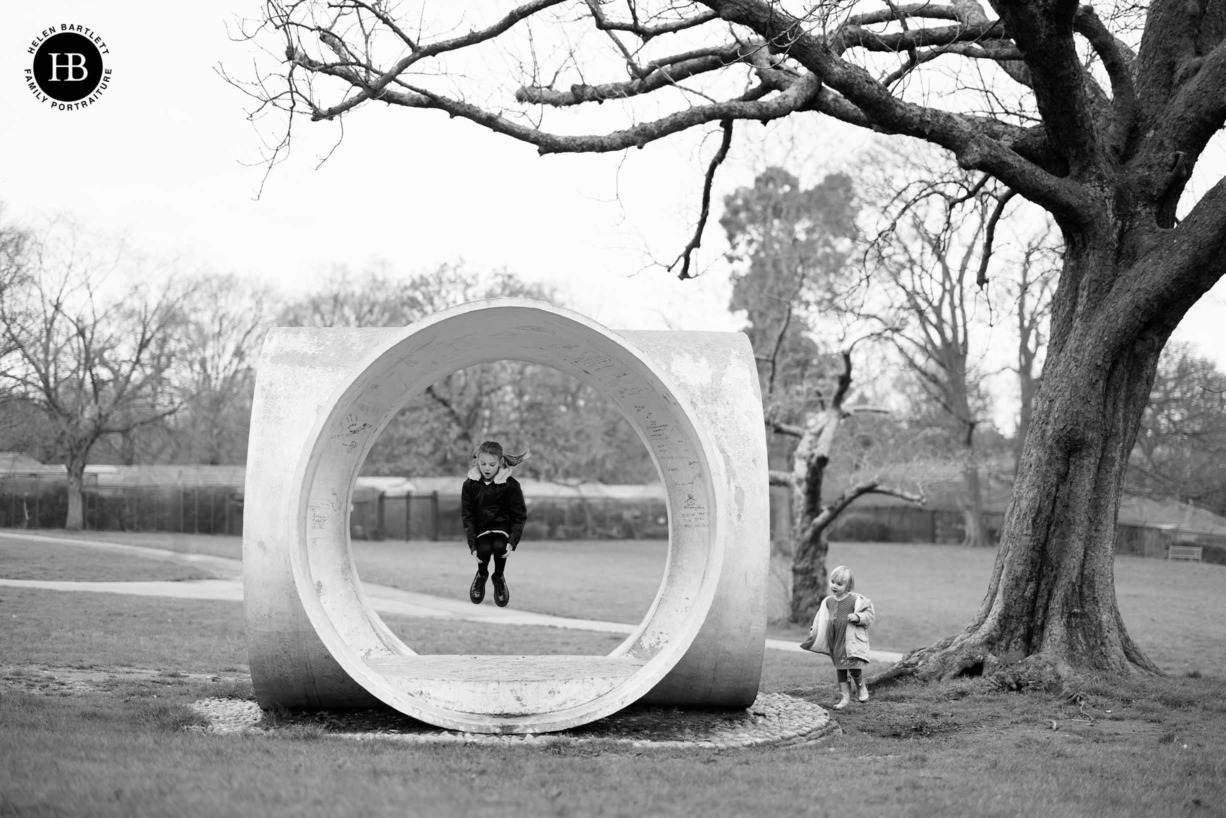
(495, 506)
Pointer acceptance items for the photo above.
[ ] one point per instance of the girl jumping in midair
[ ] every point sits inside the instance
(493, 512)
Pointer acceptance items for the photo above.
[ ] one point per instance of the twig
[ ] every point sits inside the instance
(717, 160)
(989, 236)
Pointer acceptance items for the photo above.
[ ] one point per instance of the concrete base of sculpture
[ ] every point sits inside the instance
(323, 396)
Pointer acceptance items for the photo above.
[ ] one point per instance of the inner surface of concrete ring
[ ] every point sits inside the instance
(516, 693)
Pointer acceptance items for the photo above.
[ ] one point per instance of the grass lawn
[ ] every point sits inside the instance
(51, 561)
(116, 746)
(921, 592)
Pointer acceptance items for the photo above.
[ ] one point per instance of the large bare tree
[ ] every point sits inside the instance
(1030, 292)
(929, 261)
(226, 318)
(1182, 442)
(14, 275)
(1099, 119)
(89, 350)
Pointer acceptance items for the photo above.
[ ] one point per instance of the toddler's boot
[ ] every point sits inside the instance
(844, 695)
(476, 591)
(502, 594)
(863, 697)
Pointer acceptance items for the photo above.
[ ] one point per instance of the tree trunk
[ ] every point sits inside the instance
(127, 447)
(809, 573)
(960, 403)
(1051, 610)
(975, 534)
(76, 495)
(809, 555)
(1051, 600)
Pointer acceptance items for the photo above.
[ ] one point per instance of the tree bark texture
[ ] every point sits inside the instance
(75, 520)
(811, 545)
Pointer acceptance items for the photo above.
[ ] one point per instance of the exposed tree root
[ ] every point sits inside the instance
(965, 656)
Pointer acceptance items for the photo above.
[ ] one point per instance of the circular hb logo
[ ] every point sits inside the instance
(68, 66)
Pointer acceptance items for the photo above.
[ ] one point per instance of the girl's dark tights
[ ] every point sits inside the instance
(495, 546)
(842, 674)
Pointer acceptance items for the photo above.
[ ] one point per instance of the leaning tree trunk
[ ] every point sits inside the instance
(811, 518)
(1050, 610)
(811, 545)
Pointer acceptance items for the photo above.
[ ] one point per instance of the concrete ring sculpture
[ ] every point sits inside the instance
(327, 647)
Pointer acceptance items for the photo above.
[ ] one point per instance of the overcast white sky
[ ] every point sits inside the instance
(161, 158)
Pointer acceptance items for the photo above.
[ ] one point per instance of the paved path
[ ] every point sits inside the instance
(228, 586)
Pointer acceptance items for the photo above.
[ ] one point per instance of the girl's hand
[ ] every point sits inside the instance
(854, 619)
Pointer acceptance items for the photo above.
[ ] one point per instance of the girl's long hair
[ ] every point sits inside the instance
(495, 448)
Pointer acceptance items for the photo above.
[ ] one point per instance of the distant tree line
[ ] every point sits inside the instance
(107, 356)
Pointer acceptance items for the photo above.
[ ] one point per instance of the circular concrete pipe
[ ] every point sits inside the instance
(520, 694)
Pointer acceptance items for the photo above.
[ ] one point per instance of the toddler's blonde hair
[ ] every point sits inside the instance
(841, 573)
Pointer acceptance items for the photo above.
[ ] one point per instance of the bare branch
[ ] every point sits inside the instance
(373, 90)
(844, 382)
(989, 237)
(786, 429)
(1118, 60)
(978, 142)
(645, 31)
(1192, 117)
(853, 36)
(597, 15)
(782, 334)
(1060, 83)
(894, 13)
(660, 75)
(780, 478)
(1180, 268)
(637, 136)
(720, 155)
(835, 508)
(971, 193)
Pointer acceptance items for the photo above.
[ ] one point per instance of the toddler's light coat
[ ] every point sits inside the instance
(857, 634)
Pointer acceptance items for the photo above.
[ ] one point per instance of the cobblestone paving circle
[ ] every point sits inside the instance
(773, 719)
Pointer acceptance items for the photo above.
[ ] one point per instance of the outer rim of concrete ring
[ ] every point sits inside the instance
(623, 694)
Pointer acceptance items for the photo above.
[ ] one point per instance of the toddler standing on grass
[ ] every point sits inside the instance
(840, 631)
(493, 512)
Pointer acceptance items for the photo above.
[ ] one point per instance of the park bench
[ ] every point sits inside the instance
(1184, 552)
